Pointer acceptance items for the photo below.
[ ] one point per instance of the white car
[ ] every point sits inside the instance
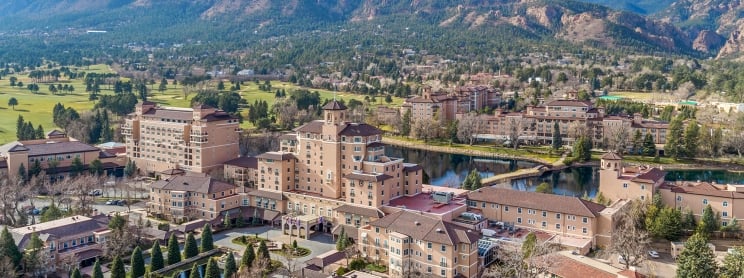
(653, 254)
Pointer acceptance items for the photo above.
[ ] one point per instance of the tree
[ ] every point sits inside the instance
(194, 271)
(514, 127)
(95, 167)
(130, 169)
(630, 240)
(52, 213)
(472, 181)
(709, 221)
(22, 174)
(582, 149)
(76, 273)
(226, 221)
(9, 249)
(733, 263)
(649, 147)
(468, 127)
(117, 268)
(667, 224)
(212, 270)
(221, 86)
(675, 140)
(528, 245)
(163, 85)
(76, 167)
(732, 227)
(557, 138)
(248, 256)
(405, 124)
(174, 255)
(263, 251)
(688, 220)
(697, 260)
(544, 187)
(12, 102)
(189, 248)
(206, 239)
(35, 256)
(691, 142)
(137, 262)
(230, 267)
(97, 272)
(156, 257)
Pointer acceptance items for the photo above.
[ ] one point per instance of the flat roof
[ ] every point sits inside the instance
(423, 202)
(426, 188)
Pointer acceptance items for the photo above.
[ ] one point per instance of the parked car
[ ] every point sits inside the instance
(121, 203)
(653, 254)
(111, 202)
(95, 192)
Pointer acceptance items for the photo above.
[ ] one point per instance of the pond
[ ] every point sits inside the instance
(450, 170)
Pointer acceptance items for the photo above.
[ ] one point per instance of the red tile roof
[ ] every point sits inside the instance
(651, 176)
(539, 201)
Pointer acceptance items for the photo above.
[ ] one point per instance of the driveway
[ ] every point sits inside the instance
(318, 244)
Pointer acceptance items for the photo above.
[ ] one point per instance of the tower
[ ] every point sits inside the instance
(334, 112)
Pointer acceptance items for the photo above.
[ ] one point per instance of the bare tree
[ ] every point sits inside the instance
(577, 129)
(286, 112)
(629, 238)
(736, 142)
(260, 265)
(514, 129)
(425, 129)
(12, 193)
(469, 126)
(514, 262)
(82, 186)
(617, 137)
(7, 267)
(684, 91)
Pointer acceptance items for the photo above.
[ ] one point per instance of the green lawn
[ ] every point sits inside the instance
(37, 108)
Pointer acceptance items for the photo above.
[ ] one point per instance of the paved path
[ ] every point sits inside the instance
(318, 244)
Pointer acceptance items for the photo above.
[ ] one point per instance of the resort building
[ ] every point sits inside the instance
(575, 222)
(618, 181)
(187, 197)
(726, 200)
(197, 139)
(80, 238)
(446, 106)
(414, 242)
(55, 156)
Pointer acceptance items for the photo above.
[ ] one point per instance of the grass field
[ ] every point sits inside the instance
(636, 96)
(37, 108)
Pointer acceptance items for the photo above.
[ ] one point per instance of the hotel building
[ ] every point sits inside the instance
(197, 139)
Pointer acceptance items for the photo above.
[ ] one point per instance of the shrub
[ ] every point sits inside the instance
(357, 264)
(341, 271)
(164, 227)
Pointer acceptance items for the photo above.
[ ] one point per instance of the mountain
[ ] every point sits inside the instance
(645, 7)
(557, 21)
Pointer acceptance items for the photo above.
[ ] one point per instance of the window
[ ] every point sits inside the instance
(545, 213)
(506, 208)
(519, 210)
(444, 248)
(544, 224)
(428, 245)
(725, 204)
(519, 220)
(428, 257)
(583, 230)
(705, 201)
(679, 198)
(724, 223)
(585, 220)
(557, 216)
(557, 226)
(625, 185)
(724, 214)
(643, 187)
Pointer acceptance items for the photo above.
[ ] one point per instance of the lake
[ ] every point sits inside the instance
(450, 170)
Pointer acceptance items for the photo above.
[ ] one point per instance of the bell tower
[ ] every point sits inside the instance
(334, 112)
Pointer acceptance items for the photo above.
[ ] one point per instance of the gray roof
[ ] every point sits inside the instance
(193, 184)
(267, 194)
(539, 201)
(59, 228)
(367, 177)
(362, 211)
(276, 156)
(50, 148)
(244, 162)
(423, 227)
(334, 105)
(174, 114)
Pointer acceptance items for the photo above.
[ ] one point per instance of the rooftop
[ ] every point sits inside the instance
(423, 202)
(540, 201)
(49, 147)
(423, 227)
(192, 184)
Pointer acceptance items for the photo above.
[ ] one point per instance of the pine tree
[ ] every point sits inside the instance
(248, 256)
(212, 271)
(156, 257)
(696, 260)
(649, 148)
(206, 239)
(557, 138)
(674, 142)
(117, 268)
(226, 221)
(40, 132)
(263, 251)
(691, 139)
(22, 174)
(709, 221)
(76, 273)
(405, 125)
(97, 272)
(137, 262)
(9, 249)
(475, 179)
(174, 255)
(230, 267)
(637, 142)
(341, 241)
(189, 248)
(733, 264)
(194, 271)
(689, 220)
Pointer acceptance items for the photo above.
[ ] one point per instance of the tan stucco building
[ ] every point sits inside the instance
(197, 139)
(618, 181)
(726, 200)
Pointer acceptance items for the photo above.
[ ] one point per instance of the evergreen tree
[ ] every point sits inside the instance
(674, 140)
(107, 133)
(696, 260)
(137, 262)
(97, 272)
(692, 135)
(212, 270)
(528, 245)
(226, 221)
(733, 264)
(76, 273)
(637, 142)
(35, 169)
(189, 248)
(716, 143)
(248, 256)
(9, 249)
(156, 257)
(341, 241)
(582, 149)
(206, 239)
(544, 187)
(194, 271)
(40, 132)
(667, 224)
(709, 220)
(117, 268)
(221, 86)
(95, 167)
(22, 174)
(163, 85)
(263, 251)
(405, 124)
(475, 180)
(557, 138)
(174, 255)
(649, 148)
(689, 220)
(76, 167)
(230, 267)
